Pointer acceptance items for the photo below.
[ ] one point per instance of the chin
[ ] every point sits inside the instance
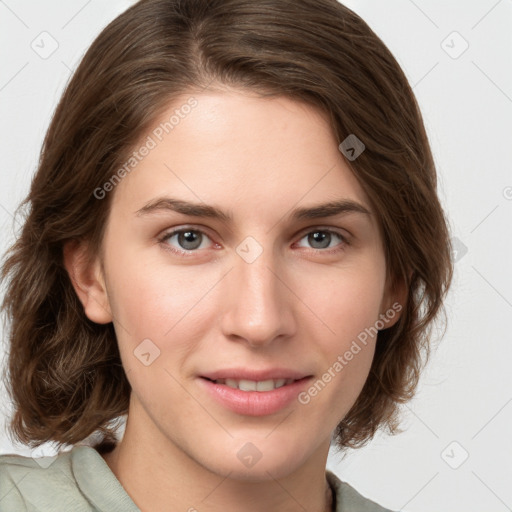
(253, 464)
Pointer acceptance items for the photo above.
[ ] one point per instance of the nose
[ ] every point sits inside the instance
(259, 304)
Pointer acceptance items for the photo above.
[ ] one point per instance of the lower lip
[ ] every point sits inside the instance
(254, 403)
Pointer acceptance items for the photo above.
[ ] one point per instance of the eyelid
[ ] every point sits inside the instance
(343, 233)
(345, 240)
(166, 235)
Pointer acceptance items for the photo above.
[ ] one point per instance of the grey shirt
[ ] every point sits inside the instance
(80, 480)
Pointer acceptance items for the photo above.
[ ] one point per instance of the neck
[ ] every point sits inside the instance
(159, 476)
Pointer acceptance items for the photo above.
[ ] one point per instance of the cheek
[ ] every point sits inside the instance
(346, 300)
(346, 306)
(148, 297)
(346, 353)
(165, 304)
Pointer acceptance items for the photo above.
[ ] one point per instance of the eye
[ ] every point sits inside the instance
(321, 239)
(185, 240)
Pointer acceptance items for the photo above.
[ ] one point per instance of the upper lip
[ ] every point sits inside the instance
(255, 375)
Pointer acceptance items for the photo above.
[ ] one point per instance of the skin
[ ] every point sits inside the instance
(299, 305)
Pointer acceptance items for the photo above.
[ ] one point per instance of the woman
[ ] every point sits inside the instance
(234, 238)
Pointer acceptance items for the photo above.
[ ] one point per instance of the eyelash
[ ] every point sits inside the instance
(188, 253)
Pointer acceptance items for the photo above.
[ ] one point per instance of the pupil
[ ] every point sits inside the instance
(322, 237)
(189, 240)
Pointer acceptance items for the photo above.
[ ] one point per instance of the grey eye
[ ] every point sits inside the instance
(187, 239)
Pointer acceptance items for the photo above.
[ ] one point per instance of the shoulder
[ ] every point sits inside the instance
(77, 480)
(348, 499)
(30, 484)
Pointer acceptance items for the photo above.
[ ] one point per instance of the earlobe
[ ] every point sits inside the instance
(87, 278)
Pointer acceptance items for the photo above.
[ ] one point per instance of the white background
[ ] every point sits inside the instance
(465, 395)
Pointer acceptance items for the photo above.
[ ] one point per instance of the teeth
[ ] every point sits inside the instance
(249, 385)
(281, 382)
(252, 385)
(229, 382)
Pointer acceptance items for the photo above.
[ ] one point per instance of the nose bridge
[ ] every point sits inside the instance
(258, 310)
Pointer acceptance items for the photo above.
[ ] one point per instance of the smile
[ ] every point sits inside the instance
(252, 385)
(254, 397)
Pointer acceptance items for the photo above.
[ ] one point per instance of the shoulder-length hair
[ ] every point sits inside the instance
(64, 373)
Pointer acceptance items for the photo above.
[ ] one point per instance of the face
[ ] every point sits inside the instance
(222, 271)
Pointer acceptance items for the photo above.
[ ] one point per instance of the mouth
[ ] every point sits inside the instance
(249, 397)
(253, 385)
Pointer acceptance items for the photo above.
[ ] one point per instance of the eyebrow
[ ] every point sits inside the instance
(329, 209)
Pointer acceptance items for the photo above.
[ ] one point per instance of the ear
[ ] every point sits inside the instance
(87, 278)
(394, 301)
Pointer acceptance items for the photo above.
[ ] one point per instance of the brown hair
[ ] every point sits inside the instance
(64, 374)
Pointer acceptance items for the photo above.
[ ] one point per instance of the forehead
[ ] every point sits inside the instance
(237, 149)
